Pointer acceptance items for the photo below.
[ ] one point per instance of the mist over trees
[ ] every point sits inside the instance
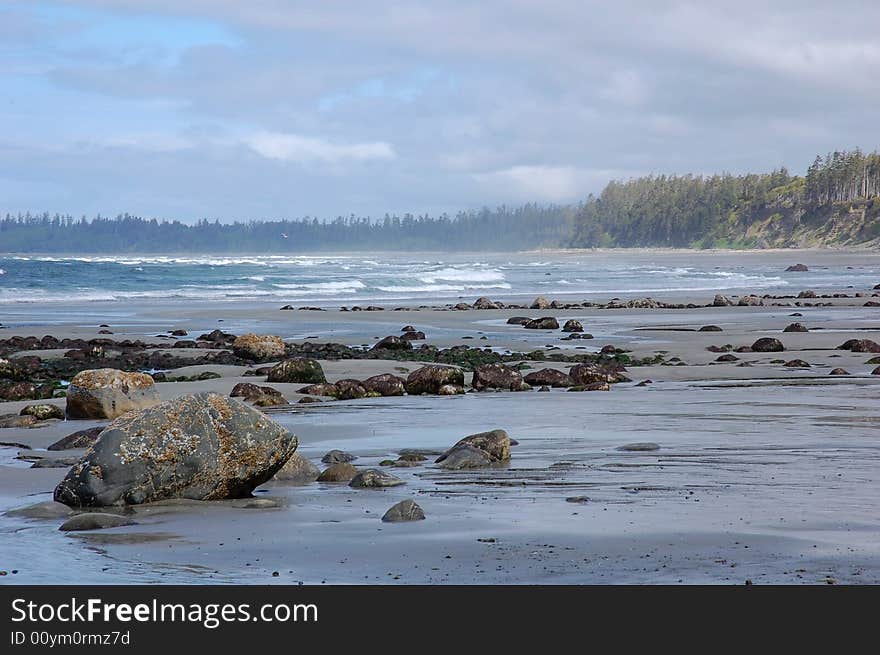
(837, 202)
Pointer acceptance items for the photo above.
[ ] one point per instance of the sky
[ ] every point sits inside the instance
(230, 110)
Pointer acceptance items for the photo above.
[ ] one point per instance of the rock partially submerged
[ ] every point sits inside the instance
(860, 346)
(544, 323)
(298, 470)
(477, 450)
(45, 510)
(201, 447)
(405, 510)
(94, 521)
(641, 446)
(548, 377)
(336, 456)
(375, 478)
(767, 345)
(108, 393)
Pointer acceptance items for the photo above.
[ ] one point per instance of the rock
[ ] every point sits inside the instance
(543, 389)
(267, 400)
(337, 456)
(429, 379)
(839, 371)
(860, 346)
(323, 389)
(298, 470)
(641, 446)
(485, 303)
(350, 389)
(408, 328)
(404, 452)
(55, 462)
(45, 510)
(18, 421)
(412, 457)
(201, 447)
(580, 500)
(20, 391)
(43, 412)
(385, 385)
(727, 358)
(477, 450)
(594, 386)
(545, 323)
(258, 347)
(374, 478)
(807, 294)
(405, 510)
(297, 370)
(259, 396)
(590, 373)
(876, 371)
(450, 390)
(795, 327)
(518, 320)
(549, 377)
(796, 363)
(392, 342)
(767, 345)
(750, 301)
(721, 301)
(308, 400)
(797, 268)
(81, 439)
(540, 303)
(341, 472)
(572, 325)
(108, 393)
(414, 336)
(710, 328)
(94, 521)
(498, 376)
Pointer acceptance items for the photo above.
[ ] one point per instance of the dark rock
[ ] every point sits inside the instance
(580, 500)
(797, 268)
(549, 377)
(350, 389)
(108, 393)
(642, 446)
(795, 327)
(860, 346)
(545, 323)
(374, 478)
(429, 379)
(807, 294)
(201, 447)
(298, 470)
(408, 328)
(18, 421)
(727, 358)
(590, 373)
(413, 336)
(324, 389)
(392, 342)
(308, 400)
(876, 371)
(485, 303)
(81, 439)
(297, 370)
(385, 385)
(518, 320)
(405, 510)
(477, 450)
(571, 325)
(498, 376)
(45, 510)
(796, 363)
(341, 472)
(767, 345)
(95, 521)
(594, 386)
(337, 457)
(710, 328)
(839, 371)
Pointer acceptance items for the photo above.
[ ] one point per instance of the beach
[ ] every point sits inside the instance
(765, 473)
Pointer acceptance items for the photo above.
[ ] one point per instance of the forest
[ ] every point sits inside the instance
(836, 203)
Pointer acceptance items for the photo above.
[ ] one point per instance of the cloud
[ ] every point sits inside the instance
(303, 150)
(557, 184)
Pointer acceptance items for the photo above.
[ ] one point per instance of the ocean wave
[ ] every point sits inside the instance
(345, 286)
(441, 288)
(461, 275)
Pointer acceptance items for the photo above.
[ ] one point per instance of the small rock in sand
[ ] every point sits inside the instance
(642, 446)
(298, 470)
(45, 510)
(374, 478)
(94, 521)
(405, 510)
(338, 456)
(342, 472)
(43, 411)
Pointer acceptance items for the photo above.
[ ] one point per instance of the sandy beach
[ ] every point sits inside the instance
(765, 472)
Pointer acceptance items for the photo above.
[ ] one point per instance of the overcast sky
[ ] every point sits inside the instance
(278, 108)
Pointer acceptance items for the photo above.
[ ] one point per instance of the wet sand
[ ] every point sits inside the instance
(764, 473)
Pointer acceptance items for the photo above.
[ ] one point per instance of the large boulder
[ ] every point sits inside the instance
(258, 347)
(43, 411)
(795, 327)
(767, 345)
(323, 389)
(108, 393)
(385, 385)
(306, 371)
(548, 377)
(797, 268)
(721, 301)
(392, 342)
(260, 396)
(498, 376)
(572, 325)
(477, 450)
(200, 447)
(544, 323)
(518, 320)
(340, 472)
(485, 303)
(351, 389)
(540, 303)
(429, 379)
